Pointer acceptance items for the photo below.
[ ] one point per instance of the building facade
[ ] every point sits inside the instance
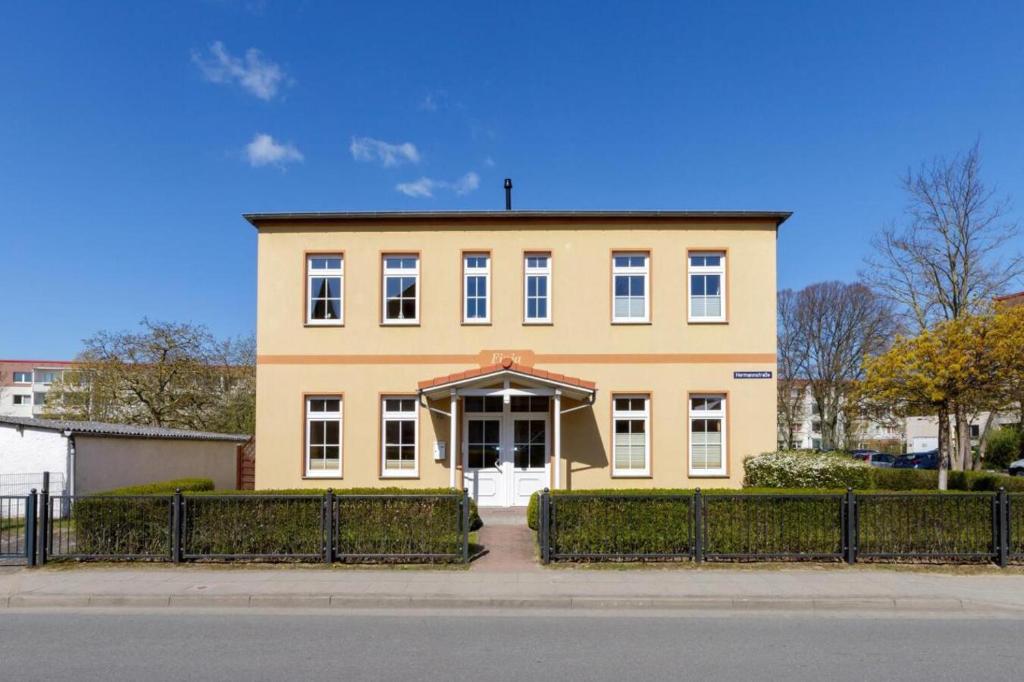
(25, 383)
(506, 352)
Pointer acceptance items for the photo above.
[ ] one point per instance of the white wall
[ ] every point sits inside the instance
(30, 451)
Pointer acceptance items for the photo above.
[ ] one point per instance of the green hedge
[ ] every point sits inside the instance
(926, 525)
(619, 525)
(232, 523)
(190, 485)
(751, 524)
(119, 526)
(762, 526)
(1017, 524)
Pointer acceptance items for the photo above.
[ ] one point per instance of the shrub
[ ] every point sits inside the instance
(1004, 446)
(806, 470)
(164, 487)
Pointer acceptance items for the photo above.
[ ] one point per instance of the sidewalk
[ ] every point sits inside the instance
(870, 589)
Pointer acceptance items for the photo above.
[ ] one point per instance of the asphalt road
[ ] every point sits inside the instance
(175, 645)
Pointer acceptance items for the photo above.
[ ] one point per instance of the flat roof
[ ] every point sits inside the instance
(260, 219)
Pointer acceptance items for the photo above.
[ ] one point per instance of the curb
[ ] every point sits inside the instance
(348, 601)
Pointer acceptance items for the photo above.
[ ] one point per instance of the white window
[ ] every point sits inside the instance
(401, 289)
(46, 376)
(707, 435)
(323, 436)
(324, 276)
(707, 287)
(400, 420)
(537, 288)
(23, 399)
(632, 445)
(23, 377)
(476, 287)
(39, 399)
(631, 302)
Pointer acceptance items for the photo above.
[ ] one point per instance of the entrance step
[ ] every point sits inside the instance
(503, 516)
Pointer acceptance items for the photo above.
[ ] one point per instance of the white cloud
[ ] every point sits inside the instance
(385, 153)
(257, 75)
(264, 150)
(489, 162)
(425, 187)
(466, 184)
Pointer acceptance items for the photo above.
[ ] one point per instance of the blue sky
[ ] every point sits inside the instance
(133, 135)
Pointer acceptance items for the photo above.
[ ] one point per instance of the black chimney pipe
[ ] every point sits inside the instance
(508, 194)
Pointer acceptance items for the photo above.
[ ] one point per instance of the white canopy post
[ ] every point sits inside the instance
(558, 439)
(453, 423)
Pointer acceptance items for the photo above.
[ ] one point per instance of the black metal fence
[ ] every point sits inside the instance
(273, 527)
(17, 521)
(850, 527)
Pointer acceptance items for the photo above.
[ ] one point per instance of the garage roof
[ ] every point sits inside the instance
(119, 430)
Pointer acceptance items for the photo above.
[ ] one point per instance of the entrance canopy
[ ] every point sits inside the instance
(508, 380)
(528, 380)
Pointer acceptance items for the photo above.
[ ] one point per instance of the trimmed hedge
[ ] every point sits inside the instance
(190, 485)
(759, 525)
(929, 526)
(620, 526)
(245, 523)
(762, 526)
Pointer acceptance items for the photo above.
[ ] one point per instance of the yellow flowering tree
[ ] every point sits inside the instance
(954, 364)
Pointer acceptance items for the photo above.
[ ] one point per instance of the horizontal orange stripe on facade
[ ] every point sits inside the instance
(557, 358)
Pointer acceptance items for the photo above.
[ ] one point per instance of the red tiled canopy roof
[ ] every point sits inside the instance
(511, 367)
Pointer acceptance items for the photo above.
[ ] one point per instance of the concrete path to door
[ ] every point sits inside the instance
(508, 540)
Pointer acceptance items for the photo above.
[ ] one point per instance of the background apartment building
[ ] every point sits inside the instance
(25, 383)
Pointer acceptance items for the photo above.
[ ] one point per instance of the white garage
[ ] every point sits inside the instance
(90, 457)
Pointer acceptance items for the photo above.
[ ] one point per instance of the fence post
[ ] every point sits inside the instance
(1003, 524)
(176, 504)
(30, 528)
(465, 526)
(44, 519)
(698, 526)
(849, 531)
(544, 526)
(328, 527)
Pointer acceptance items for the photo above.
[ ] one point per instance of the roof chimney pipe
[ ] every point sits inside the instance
(508, 194)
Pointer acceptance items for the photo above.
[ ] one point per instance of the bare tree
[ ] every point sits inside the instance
(791, 382)
(168, 374)
(950, 257)
(838, 325)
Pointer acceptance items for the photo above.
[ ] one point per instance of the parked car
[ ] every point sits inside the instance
(856, 453)
(875, 459)
(918, 460)
(1017, 468)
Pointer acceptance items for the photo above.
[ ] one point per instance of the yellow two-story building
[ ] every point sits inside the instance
(505, 352)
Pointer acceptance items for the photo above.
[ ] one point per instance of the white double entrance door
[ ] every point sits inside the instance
(505, 457)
